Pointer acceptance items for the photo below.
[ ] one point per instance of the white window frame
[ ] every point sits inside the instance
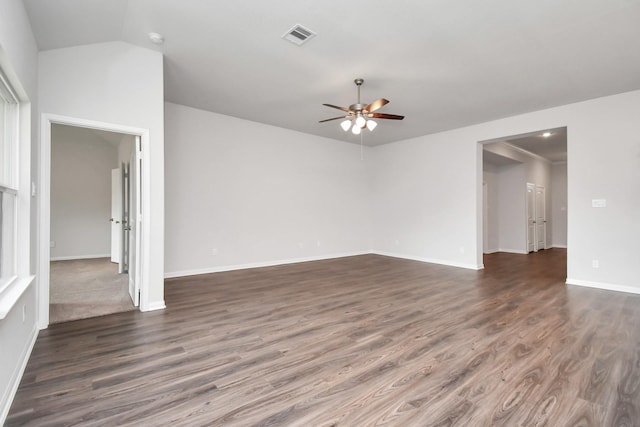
(15, 183)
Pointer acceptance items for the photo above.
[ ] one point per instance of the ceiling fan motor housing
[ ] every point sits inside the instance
(361, 112)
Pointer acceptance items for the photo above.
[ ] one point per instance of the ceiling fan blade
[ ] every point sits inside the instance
(346, 110)
(385, 116)
(378, 103)
(334, 118)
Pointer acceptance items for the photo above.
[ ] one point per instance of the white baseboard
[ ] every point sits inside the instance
(72, 257)
(156, 305)
(559, 246)
(513, 251)
(491, 251)
(604, 286)
(431, 260)
(16, 376)
(219, 269)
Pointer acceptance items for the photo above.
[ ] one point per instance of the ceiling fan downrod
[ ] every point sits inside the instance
(357, 107)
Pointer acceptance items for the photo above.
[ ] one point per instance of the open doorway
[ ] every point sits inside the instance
(91, 219)
(525, 192)
(138, 274)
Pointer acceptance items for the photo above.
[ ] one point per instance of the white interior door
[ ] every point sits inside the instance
(531, 218)
(541, 219)
(116, 214)
(126, 212)
(135, 218)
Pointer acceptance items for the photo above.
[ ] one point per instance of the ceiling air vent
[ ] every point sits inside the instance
(298, 34)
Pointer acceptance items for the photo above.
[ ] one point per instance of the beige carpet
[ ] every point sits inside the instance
(85, 288)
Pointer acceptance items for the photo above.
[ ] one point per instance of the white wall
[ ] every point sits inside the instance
(492, 236)
(432, 208)
(240, 193)
(559, 204)
(81, 164)
(125, 148)
(512, 234)
(18, 55)
(424, 199)
(121, 84)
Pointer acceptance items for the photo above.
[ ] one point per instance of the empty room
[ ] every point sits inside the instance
(320, 213)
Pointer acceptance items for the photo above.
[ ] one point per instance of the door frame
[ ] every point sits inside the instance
(44, 205)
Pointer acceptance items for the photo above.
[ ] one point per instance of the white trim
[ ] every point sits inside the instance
(513, 251)
(156, 305)
(12, 294)
(44, 214)
(605, 286)
(208, 270)
(16, 377)
(72, 257)
(479, 266)
(559, 246)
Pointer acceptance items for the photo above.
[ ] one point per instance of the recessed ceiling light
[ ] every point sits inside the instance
(156, 38)
(546, 134)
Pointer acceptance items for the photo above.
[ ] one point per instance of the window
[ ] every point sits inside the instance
(9, 121)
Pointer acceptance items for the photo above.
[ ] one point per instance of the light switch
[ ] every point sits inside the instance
(599, 203)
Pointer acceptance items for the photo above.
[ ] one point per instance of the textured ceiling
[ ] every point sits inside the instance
(443, 64)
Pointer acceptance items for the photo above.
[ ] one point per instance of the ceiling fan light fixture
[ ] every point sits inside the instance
(371, 125)
(359, 114)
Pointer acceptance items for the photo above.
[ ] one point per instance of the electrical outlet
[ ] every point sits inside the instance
(595, 263)
(52, 244)
(214, 251)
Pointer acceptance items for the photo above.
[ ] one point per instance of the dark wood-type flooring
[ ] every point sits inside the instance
(357, 341)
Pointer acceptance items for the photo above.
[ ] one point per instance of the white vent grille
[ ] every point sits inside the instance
(299, 34)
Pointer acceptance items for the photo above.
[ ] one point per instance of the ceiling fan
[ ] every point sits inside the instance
(359, 115)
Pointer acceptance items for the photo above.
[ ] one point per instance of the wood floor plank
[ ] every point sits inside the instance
(357, 341)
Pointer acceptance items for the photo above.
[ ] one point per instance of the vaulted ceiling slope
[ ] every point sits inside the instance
(444, 64)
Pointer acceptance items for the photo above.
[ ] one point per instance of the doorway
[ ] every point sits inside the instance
(524, 193)
(86, 280)
(135, 281)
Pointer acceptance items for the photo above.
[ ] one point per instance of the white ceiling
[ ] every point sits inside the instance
(81, 133)
(443, 64)
(553, 147)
